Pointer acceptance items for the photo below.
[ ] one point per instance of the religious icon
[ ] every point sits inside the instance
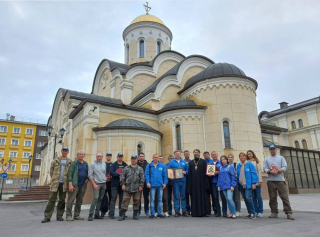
(175, 173)
(211, 169)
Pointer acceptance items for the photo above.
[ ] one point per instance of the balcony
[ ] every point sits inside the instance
(13, 158)
(16, 134)
(25, 159)
(14, 146)
(28, 135)
(13, 172)
(27, 147)
(3, 134)
(24, 172)
(2, 146)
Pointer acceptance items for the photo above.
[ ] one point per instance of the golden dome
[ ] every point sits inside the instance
(147, 17)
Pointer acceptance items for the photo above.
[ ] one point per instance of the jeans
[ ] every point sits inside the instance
(169, 188)
(153, 192)
(229, 196)
(97, 198)
(52, 203)
(282, 188)
(114, 193)
(164, 201)
(216, 200)
(247, 196)
(145, 193)
(77, 194)
(236, 199)
(179, 192)
(257, 200)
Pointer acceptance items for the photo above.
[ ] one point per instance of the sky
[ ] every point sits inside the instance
(45, 45)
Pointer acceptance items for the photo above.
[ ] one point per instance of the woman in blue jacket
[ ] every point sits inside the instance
(247, 179)
(227, 183)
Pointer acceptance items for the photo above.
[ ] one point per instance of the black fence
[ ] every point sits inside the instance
(17, 185)
(303, 168)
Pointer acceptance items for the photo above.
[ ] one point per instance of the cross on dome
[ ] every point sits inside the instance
(147, 7)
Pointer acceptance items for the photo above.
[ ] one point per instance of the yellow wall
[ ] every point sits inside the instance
(22, 136)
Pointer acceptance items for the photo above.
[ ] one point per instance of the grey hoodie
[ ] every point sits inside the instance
(97, 171)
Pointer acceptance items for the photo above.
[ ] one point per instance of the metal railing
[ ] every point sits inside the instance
(17, 185)
(12, 118)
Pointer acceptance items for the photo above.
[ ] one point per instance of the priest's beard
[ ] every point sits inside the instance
(197, 157)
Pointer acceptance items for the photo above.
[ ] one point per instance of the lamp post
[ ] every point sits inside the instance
(30, 158)
(2, 160)
(61, 133)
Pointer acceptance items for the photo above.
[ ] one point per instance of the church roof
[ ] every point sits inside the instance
(216, 70)
(147, 17)
(180, 103)
(173, 71)
(128, 124)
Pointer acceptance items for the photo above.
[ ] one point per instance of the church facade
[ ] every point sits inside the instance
(157, 101)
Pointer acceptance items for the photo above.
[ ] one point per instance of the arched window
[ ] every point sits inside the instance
(141, 44)
(178, 137)
(158, 47)
(296, 144)
(304, 144)
(300, 123)
(226, 134)
(139, 149)
(127, 53)
(293, 125)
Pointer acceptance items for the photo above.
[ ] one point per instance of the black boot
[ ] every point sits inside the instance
(122, 215)
(90, 217)
(135, 215)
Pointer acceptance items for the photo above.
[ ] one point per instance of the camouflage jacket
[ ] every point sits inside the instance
(55, 170)
(132, 178)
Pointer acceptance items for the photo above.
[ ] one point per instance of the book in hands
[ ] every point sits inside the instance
(273, 168)
(119, 171)
(175, 173)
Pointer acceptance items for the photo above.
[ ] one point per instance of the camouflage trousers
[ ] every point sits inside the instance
(126, 200)
(52, 203)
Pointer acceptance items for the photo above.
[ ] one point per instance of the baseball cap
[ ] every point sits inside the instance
(109, 154)
(134, 156)
(120, 154)
(272, 146)
(65, 148)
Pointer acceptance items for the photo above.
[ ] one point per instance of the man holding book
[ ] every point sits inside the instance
(275, 166)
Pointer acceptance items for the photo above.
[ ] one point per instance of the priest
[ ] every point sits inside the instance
(199, 186)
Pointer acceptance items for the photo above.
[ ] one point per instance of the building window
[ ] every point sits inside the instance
(43, 133)
(15, 142)
(1, 153)
(226, 134)
(29, 131)
(37, 168)
(141, 44)
(2, 141)
(37, 181)
(27, 143)
(38, 156)
(300, 123)
(40, 144)
(9, 181)
(296, 144)
(23, 181)
(13, 154)
(127, 53)
(178, 137)
(158, 47)
(3, 128)
(293, 125)
(140, 148)
(16, 130)
(304, 144)
(12, 167)
(26, 154)
(24, 167)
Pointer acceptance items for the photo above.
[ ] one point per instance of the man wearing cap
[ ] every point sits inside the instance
(59, 185)
(131, 181)
(77, 178)
(116, 170)
(143, 164)
(97, 177)
(275, 166)
(105, 206)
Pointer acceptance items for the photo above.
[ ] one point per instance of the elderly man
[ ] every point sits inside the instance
(132, 182)
(97, 176)
(77, 178)
(59, 184)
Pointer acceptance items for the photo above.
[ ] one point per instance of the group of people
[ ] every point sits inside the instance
(191, 193)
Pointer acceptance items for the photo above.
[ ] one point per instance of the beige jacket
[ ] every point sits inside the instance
(55, 170)
(258, 169)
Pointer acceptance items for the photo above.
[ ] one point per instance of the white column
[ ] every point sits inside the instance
(126, 91)
(318, 137)
(312, 116)
(314, 139)
(285, 140)
(275, 139)
(283, 122)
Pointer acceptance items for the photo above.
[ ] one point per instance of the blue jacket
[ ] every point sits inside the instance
(209, 161)
(250, 173)
(115, 181)
(226, 178)
(158, 175)
(218, 165)
(182, 164)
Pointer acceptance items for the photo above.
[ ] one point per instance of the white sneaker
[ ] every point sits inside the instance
(166, 214)
(238, 214)
(260, 215)
(156, 214)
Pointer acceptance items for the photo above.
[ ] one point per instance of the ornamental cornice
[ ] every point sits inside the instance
(128, 133)
(181, 113)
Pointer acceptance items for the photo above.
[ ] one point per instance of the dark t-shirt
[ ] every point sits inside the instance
(82, 173)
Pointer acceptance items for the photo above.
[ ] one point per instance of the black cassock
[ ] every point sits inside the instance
(199, 188)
